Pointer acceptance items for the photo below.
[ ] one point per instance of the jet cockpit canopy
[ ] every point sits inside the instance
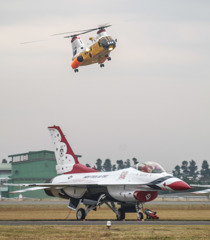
(150, 167)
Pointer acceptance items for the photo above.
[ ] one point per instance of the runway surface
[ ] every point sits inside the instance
(31, 202)
(104, 222)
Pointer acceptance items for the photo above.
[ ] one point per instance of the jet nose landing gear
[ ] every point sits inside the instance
(80, 214)
(76, 70)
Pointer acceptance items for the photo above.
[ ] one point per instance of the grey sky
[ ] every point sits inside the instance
(151, 101)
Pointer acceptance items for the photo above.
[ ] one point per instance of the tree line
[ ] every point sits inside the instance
(188, 171)
(107, 166)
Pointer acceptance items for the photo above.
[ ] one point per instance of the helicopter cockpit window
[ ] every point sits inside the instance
(150, 167)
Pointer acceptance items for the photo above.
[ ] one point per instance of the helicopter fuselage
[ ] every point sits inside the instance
(96, 52)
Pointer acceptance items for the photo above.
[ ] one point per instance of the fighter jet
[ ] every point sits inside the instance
(130, 188)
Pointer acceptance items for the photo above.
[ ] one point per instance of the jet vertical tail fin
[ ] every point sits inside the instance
(67, 161)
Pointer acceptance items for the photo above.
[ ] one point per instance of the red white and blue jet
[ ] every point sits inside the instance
(130, 188)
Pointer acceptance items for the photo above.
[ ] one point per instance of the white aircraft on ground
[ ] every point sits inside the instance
(205, 192)
(129, 187)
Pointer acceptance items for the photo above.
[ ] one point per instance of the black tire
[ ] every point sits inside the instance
(120, 214)
(80, 214)
(140, 216)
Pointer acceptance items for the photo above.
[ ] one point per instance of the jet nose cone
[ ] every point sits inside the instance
(179, 186)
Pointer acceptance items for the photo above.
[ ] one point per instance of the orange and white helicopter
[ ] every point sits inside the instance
(97, 51)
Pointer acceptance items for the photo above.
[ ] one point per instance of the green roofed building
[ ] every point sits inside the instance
(5, 173)
(32, 167)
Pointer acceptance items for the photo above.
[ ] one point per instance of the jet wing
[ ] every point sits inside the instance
(46, 185)
(203, 186)
(49, 185)
(29, 189)
(201, 192)
(79, 183)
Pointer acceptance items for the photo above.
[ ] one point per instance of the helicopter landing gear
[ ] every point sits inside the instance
(76, 70)
(101, 65)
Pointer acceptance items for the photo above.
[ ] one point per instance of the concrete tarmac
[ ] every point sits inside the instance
(100, 222)
(31, 202)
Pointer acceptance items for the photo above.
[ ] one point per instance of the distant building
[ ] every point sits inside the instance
(32, 167)
(5, 173)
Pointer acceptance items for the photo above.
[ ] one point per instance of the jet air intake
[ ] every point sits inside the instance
(145, 196)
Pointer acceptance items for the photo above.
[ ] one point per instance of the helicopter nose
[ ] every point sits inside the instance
(179, 186)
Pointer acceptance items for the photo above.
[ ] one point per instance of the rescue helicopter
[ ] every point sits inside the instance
(97, 51)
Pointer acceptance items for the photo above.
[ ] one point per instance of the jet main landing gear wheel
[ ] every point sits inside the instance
(80, 214)
(140, 216)
(120, 214)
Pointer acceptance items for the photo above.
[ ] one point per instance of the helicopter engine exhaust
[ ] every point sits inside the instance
(77, 61)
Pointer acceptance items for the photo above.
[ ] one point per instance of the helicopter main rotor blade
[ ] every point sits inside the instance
(80, 33)
(56, 34)
(77, 33)
(32, 41)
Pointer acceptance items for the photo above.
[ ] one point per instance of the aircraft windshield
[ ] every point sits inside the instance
(107, 42)
(150, 167)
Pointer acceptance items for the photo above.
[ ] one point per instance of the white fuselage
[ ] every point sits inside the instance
(120, 184)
